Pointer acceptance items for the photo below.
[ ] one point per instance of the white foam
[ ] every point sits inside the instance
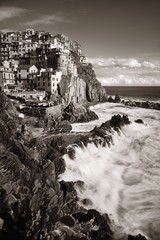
(123, 180)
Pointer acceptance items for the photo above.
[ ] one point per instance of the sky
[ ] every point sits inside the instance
(121, 38)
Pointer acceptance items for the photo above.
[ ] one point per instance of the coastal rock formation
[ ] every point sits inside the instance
(8, 118)
(71, 89)
(34, 205)
(146, 104)
(94, 91)
(116, 99)
(139, 121)
(138, 237)
(110, 99)
(77, 113)
(82, 88)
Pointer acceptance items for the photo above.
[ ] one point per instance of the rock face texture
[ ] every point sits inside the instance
(94, 91)
(82, 88)
(77, 113)
(8, 118)
(34, 205)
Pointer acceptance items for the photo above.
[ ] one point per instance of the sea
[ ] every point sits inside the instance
(122, 180)
(144, 93)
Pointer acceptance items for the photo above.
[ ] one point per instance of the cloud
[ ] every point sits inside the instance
(50, 19)
(10, 12)
(121, 63)
(123, 80)
(148, 65)
(126, 71)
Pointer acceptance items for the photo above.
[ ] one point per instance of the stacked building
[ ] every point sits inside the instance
(36, 60)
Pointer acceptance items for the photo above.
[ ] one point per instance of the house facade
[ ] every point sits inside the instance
(27, 75)
(7, 79)
(48, 80)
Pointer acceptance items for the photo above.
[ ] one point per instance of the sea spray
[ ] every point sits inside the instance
(123, 180)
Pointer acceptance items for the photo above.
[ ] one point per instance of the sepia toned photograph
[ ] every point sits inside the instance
(80, 120)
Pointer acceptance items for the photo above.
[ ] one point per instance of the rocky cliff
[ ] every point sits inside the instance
(33, 203)
(80, 88)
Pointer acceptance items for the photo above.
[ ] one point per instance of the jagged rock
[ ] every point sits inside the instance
(138, 237)
(117, 99)
(7, 110)
(68, 220)
(103, 230)
(34, 205)
(8, 118)
(77, 113)
(118, 121)
(110, 99)
(94, 91)
(79, 89)
(150, 105)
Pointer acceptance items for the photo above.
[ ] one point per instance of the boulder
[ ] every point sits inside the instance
(110, 99)
(139, 121)
(77, 113)
(138, 237)
(117, 99)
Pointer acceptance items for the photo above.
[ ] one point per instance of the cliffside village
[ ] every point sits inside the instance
(33, 62)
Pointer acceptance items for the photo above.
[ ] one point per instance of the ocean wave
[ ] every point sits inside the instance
(122, 180)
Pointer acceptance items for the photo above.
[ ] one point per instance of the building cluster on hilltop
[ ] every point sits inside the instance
(36, 60)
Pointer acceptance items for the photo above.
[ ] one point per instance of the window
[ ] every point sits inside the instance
(48, 84)
(39, 84)
(43, 84)
(53, 84)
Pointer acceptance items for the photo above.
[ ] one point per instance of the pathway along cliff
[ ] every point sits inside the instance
(122, 180)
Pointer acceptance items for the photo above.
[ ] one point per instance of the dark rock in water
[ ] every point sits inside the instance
(99, 132)
(33, 203)
(150, 105)
(71, 152)
(138, 237)
(103, 230)
(110, 99)
(86, 202)
(139, 121)
(117, 99)
(118, 121)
